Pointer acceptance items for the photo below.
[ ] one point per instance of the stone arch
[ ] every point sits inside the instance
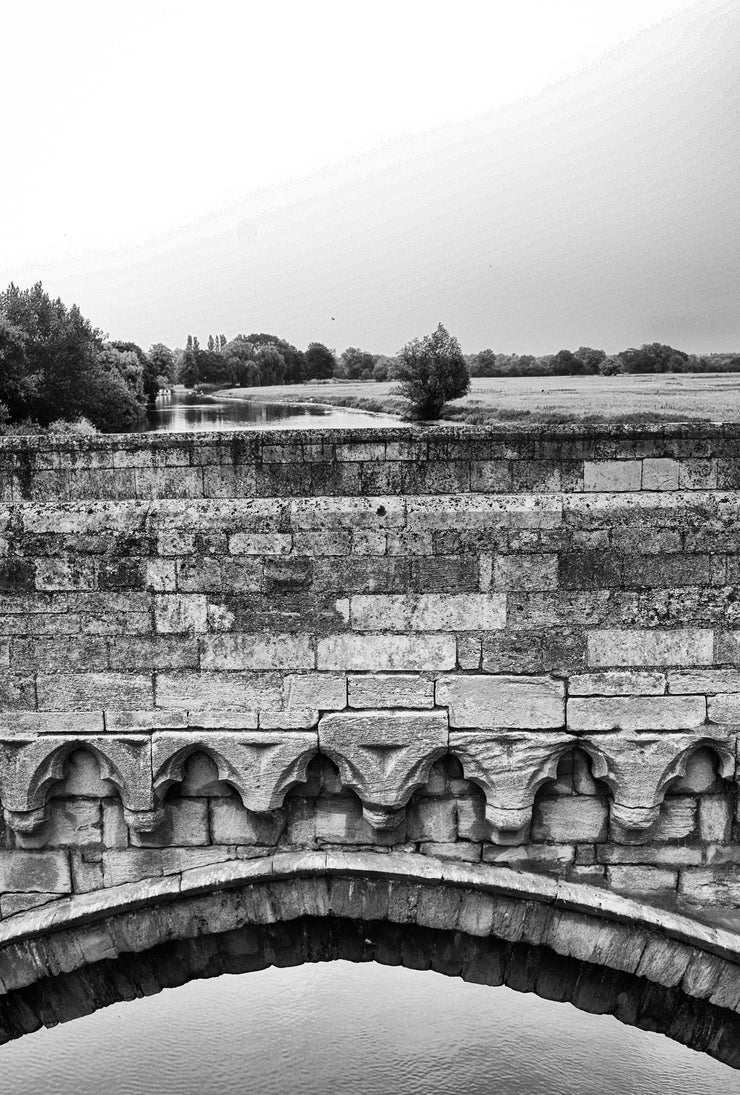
(79, 806)
(261, 766)
(699, 802)
(34, 766)
(638, 766)
(509, 767)
(563, 941)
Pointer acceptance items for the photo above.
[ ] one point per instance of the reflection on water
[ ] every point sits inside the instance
(364, 1029)
(180, 411)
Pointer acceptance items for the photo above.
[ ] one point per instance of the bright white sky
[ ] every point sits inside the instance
(125, 121)
(129, 118)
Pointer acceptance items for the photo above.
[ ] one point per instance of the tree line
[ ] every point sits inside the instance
(57, 371)
(651, 357)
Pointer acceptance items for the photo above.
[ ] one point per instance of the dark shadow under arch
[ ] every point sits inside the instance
(486, 926)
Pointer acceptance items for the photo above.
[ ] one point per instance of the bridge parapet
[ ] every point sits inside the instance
(501, 648)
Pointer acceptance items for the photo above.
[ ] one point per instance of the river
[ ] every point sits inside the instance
(343, 1029)
(179, 411)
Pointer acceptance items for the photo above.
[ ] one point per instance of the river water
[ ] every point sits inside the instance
(180, 411)
(343, 1029)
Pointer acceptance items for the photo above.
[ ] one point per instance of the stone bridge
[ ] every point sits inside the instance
(456, 699)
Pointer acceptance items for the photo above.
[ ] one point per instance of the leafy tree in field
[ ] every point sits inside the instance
(432, 370)
(295, 360)
(18, 386)
(483, 364)
(60, 367)
(160, 369)
(357, 364)
(591, 358)
(271, 364)
(382, 367)
(565, 363)
(128, 363)
(611, 366)
(320, 362)
(189, 374)
(109, 403)
(654, 357)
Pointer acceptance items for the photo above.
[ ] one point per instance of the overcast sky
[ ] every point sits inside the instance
(534, 174)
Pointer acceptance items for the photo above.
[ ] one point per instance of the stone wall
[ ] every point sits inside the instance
(501, 648)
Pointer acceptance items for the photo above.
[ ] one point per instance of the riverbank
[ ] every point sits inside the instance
(535, 401)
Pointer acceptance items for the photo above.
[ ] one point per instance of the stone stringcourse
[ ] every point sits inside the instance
(504, 649)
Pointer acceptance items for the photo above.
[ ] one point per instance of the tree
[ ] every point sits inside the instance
(59, 367)
(189, 374)
(320, 361)
(654, 357)
(565, 363)
(357, 364)
(591, 358)
(160, 369)
(18, 385)
(483, 364)
(432, 370)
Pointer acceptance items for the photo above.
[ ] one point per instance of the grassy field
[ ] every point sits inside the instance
(714, 397)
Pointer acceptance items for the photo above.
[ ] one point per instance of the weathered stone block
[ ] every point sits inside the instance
(724, 707)
(261, 543)
(318, 513)
(295, 718)
(369, 542)
(183, 823)
(34, 872)
(715, 819)
(488, 702)
(386, 652)
(232, 823)
(703, 680)
(538, 857)
(198, 575)
(316, 691)
(567, 820)
(690, 646)
(659, 473)
(677, 819)
(218, 691)
(469, 652)
(180, 613)
(429, 612)
(242, 652)
(698, 474)
(65, 574)
(711, 886)
(390, 690)
(90, 691)
(618, 682)
(642, 881)
(612, 475)
(531, 571)
(432, 819)
(158, 652)
(131, 865)
(17, 692)
(636, 713)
